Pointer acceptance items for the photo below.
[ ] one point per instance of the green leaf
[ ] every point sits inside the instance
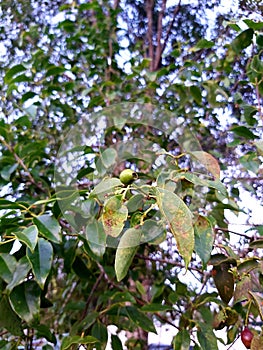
(106, 186)
(7, 171)
(243, 40)
(213, 92)
(259, 40)
(203, 44)
(135, 202)
(41, 260)
(206, 337)
(12, 72)
(204, 238)
(256, 244)
(67, 342)
(253, 25)
(257, 64)
(250, 162)
(140, 319)
(242, 131)
(248, 265)
(99, 331)
(89, 208)
(249, 112)
(101, 169)
(153, 232)
(44, 331)
(7, 267)
(27, 96)
(114, 216)
(126, 250)
(198, 181)
(234, 26)
(9, 319)
(28, 236)
(116, 343)
(21, 78)
(21, 271)
(196, 93)
(96, 237)
(25, 300)
(87, 322)
(179, 218)
(49, 227)
(140, 288)
(156, 308)
(182, 340)
(55, 70)
(108, 157)
(122, 298)
(67, 25)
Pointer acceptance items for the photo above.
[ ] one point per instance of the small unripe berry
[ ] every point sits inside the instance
(246, 337)
(127, 176)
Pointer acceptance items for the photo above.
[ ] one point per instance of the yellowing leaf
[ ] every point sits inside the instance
(179, 218)
(114, 216)
(257, 342)
(126, 250)
(210, 163)
(259, 145)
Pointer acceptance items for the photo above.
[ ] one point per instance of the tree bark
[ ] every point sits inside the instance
(149, 13)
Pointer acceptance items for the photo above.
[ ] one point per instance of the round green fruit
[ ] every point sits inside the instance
(127, 176)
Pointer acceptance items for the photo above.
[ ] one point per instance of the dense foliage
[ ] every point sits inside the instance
(92, 88)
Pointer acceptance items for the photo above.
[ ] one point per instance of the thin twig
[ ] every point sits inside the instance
(95, 286)
(258, 100)
(21, 163)
(169, 262)
(230, 231)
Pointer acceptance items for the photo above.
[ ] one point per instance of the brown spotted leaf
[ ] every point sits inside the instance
(257, 342)
(179, 218)
(224, 281)
(114, 216)
(204, 238)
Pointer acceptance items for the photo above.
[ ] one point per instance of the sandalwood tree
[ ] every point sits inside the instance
(128, 133)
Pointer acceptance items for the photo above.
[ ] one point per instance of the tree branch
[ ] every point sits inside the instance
(95, 286)
(149, 12)
(21, 163)
(217, 229)
(176, 11)
(158, 54)
(116, 4)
